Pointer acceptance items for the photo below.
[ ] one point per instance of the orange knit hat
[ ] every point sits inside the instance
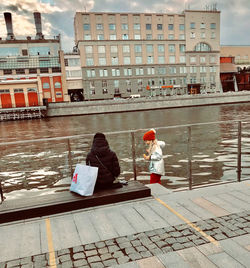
(150, 135)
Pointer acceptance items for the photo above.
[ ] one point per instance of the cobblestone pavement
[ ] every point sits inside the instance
(141, 245)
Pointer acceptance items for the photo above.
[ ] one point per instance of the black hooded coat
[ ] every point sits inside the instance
(108, 158)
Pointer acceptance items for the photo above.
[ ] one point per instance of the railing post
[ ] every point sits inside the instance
(133, 153)
(189, 151)
(239, 153)
(70, 159)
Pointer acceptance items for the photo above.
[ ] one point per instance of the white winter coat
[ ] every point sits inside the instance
(156, 164)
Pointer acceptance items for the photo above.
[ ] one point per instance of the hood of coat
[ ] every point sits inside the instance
(100, 145)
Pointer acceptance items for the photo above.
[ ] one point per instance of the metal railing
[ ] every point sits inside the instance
(133, 147)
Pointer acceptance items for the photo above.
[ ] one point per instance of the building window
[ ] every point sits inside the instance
(171, 59)
(193, 59)
(8, 71)
(44, 70)
(112, 37)
(150, 59)
(57, 85)
(99, 26)
(150, 70)
(111, 26)
(212, 25)
(160, 36)
(149, 36)
(125, 49)
(100, 37)
(203, 69)
(161, 59)
(161, 48)
(138, 48)
(182, 59)
(148, 26)
(139, 71)
(170, 36)
(104, 83)
(56, 69)
(127, 72)
(182, 36)
(202, 59)
(124, 26)
(171, 48)
(183, 69)
(46, 85)
(87, 37)
(101, 49)
(213, 35)
(138, 60)
(125, 37)
(193, 69)
(20, 71)
(170, 27)
(172, 70)
(202, 47)
(182, 48)
(192, 35)
(116, 84)
(104, 91)
(102, 61)
(86, 26)
(31, 71)
(203, 25)
(192, 25)
(128, 89)
(162, 70)
(92, 91)
(212, 69)
(149, 48)
(128, 82)
(115, 72)
(181, 27)
(88, 49)
(89, 61)
(103, 72)
(137, 36)
(137, 26)
(18, 90)
(113, 49)
(114, 61)
(159, 26)
(90, 73)
(212, 59)
(203, 35)
(126, 60)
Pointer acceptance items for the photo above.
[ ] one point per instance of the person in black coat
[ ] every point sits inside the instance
(105, 159)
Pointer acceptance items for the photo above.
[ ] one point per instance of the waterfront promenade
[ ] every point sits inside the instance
(204, 227)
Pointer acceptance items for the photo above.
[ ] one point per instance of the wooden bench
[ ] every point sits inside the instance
(12, 210)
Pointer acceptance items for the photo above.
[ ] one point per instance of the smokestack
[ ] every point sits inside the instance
(8, 21)
(38, 23)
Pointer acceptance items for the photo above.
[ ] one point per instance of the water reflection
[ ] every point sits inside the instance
(46, 164)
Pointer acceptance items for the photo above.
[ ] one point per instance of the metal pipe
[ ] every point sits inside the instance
(70, 159)
(189, 151)
(38, 23)
(133, 153)
(9, 27)
(239, 153)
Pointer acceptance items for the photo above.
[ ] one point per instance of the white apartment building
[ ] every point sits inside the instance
(148, 53)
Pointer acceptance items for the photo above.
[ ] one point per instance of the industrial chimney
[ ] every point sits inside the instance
(38, 23)
(8, 22)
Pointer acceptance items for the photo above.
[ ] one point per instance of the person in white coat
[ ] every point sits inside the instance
(154, 155)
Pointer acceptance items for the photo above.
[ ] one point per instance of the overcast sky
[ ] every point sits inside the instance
(58, 15)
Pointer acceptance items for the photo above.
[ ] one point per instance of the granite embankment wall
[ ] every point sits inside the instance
(125, 105)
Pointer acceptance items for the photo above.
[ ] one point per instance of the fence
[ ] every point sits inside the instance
(67, 140)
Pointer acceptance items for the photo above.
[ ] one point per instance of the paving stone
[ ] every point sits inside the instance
(90, 246)
(219, 237)
(145, 241)
(25, 260)
(27, 265)
(118, 254)
(63, 252)
(155, 238)
(78, 249)
(134, 256)
(80, 263)
(247, 229)
(96, 265)
(175, 234)
(181, 227)
(146, 254)
(186, 232)
(113, 248)
(164, 236)
(122, 240)
(160, 243)
(79, 255)
(136, 243)
(110, 242)
(110, 262)
(156, 251)
(103, 250)
(167, 249)
(177, 246)
(123, 259)
(64, 258)
(150, 233)
(140, 248)
(189, 244)
(106, 256)
(125, 245)
(160, 231)
(182, 239)
(151, 246)
(39, 258)
(39, 264)
(192, 237)
(169, 229)
(100, 244)
(198, 242)
(93, 259)
(132, 237)
(170, 241)
(240, 232)
(91, 252)
(67, 264)
(130, 250)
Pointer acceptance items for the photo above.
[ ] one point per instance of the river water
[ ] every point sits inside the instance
(45, 165)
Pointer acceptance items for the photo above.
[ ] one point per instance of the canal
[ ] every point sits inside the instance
(35, 166)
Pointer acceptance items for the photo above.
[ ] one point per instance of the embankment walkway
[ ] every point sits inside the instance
(205, 227)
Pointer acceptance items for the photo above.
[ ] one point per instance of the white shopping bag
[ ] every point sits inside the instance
(84, 180)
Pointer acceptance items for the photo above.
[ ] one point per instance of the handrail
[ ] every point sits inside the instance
(133, 147)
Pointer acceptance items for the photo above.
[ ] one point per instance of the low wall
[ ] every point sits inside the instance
(125, 105)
